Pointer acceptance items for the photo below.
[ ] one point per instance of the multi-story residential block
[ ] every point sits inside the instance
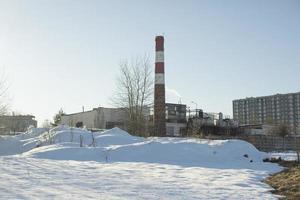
(274, 109)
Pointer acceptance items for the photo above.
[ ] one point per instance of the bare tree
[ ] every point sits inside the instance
(57, 117)
(4, 105)
(134, 93)
(281, 130)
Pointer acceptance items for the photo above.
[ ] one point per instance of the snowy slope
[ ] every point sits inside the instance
(116, 145)
(10, 145)
(288, 156)
(30, 178)
(115, 165)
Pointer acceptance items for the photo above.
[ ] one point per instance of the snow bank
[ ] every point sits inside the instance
(287, 156)
(10, 145)
(188, 153)
(116, 136)
(116, 145)
(30, 178)
(67, 136)
(120, 166)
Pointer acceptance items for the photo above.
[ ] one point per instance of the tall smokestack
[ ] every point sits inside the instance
(159, 89)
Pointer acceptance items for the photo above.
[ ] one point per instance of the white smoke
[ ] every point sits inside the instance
(172, 95)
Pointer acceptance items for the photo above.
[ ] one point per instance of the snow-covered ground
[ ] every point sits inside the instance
(288, 156)
(116, 165)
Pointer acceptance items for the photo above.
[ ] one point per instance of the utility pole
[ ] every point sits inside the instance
(196, 107)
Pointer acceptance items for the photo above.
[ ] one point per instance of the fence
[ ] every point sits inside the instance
(267, 142)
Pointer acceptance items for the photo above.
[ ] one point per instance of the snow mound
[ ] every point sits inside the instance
(191, 153)
(131, 167)
(85, 138)
(64, 151)
(35, 137)
(66, 134)
(116, 145)
(32, 131)
(116, 136)
(10, 145)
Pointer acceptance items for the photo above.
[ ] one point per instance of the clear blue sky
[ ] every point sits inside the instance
(65, 54)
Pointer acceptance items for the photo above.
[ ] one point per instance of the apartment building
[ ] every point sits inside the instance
(274, 109)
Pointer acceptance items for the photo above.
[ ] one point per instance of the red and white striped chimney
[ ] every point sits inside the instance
(159, 88)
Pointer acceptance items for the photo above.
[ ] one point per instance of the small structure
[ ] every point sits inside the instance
(176, 119)
(14, 124)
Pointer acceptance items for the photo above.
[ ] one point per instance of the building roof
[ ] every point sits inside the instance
(90, 111)
(266, 96)
(31, 116)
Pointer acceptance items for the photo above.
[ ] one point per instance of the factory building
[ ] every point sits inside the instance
(274, 109)
(13, 124)
(226, 122)
(98, 118)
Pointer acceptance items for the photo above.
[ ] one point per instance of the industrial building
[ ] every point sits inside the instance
(13, 124)
(274, 109)
(98, 118)
(168, 119)
(203, 123)
(175, 119)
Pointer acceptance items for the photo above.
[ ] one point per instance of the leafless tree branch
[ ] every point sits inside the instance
(4, 102)
(134, 92)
